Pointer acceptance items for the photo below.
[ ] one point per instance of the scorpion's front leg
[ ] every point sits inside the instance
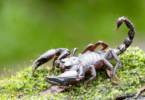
(70, 77)
(60, 53)
(73, 52)
(111, 54)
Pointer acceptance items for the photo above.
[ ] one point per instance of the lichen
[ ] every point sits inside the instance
(131, 73)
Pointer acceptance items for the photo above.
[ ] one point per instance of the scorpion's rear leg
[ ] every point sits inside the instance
(108, 73)
(109, 65)
(90, 47)
(111, 54)
(99, 43)
(93, 73)
(87, 48)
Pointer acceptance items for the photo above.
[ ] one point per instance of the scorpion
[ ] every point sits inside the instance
(74, 67)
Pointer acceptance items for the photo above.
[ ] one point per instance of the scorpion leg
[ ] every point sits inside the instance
(87, 48)
(92, 48)
(108, 73)
(114, 55)
(93, 73)
(108, 64)
(60, 52)
(73, 52)
(99, 43)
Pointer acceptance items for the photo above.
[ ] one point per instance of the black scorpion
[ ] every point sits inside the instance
(87, 61)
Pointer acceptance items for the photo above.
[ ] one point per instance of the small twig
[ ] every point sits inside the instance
(138, 93)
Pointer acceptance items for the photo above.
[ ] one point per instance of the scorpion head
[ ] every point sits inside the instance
(69, 62)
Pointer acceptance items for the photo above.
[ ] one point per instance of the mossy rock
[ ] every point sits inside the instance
(131, 73)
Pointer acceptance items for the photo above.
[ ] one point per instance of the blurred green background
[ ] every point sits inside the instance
(28, 28)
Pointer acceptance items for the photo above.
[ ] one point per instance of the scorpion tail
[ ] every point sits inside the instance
(131, 33)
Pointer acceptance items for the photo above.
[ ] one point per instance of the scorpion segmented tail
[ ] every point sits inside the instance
(131, 33)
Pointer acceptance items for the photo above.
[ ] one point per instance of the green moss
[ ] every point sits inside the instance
(131, 73)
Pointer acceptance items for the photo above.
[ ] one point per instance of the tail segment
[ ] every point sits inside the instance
(131, 33)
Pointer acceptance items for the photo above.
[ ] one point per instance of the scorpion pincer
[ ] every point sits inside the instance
(87, 61)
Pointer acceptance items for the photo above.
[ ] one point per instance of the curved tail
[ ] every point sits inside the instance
(131, 33)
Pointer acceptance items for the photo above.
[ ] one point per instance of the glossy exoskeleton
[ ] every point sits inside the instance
(87, 61)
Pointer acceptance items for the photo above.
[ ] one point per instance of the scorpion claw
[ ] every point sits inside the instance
(55, 80)
(62, 81)
(55, 83)
(48, 55)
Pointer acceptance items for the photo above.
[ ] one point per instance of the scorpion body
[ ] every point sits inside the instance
(87, 61)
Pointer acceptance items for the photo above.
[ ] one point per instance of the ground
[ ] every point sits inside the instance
(131, 73)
